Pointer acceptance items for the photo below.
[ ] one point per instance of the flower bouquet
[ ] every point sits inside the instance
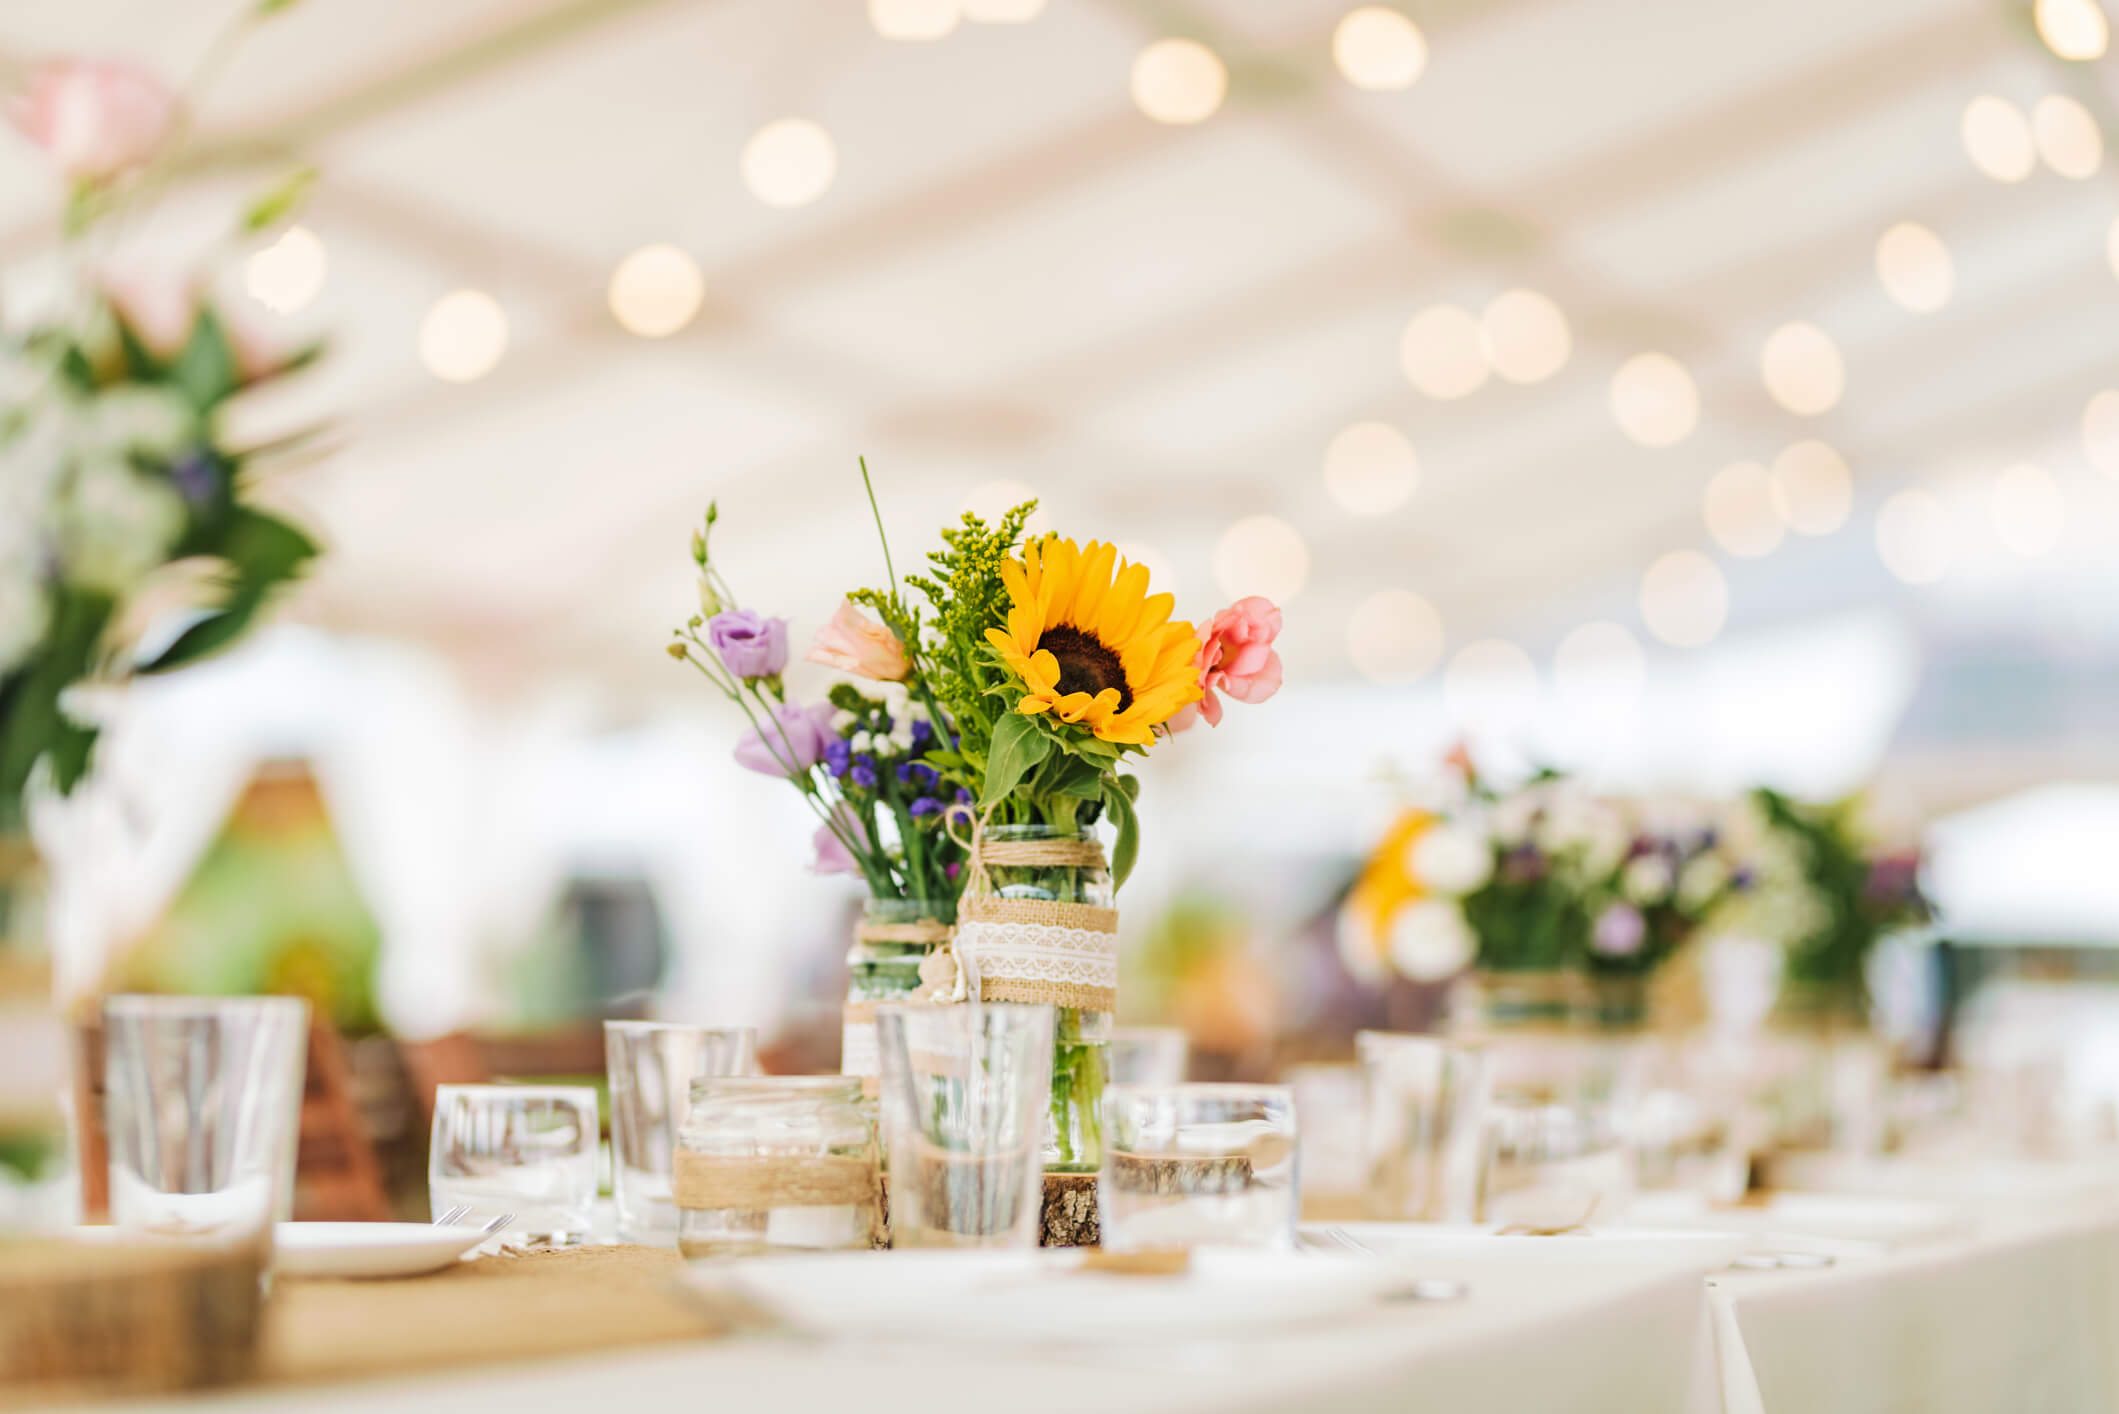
(1003, 694)
(129, 540)
(1677, 871)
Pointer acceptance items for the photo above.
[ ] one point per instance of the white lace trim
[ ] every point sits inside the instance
(1037, 952)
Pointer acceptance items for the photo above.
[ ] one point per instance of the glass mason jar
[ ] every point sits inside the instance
(1826, 1072)
(1080, 1038)
(37, 1192)
(894, 936)
(776, 1163)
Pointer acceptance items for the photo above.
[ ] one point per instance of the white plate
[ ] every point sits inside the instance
(368, 1249)
(1045, 1296)
(1792, 1219)
(1410, 1242)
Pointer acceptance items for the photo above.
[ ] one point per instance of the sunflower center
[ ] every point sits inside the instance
(1085, 664)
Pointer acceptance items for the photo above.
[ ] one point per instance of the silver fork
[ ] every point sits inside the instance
(493, 1228)
(449, 1217)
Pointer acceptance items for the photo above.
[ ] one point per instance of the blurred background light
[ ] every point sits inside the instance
(2029, 512)
(1262, 555)
(287, 275)
(1179, 81)
(1913, 537)
(463, 336)
(1394, 636)
(1915, 267)
(1684, 599)
(1378, 48)
(990, 500)
(1740, 512)
(655, 291)
(1003, 12)
(1441, 352)
(789, 162)
(1654, 400)
(1599, 661)
(1370, 468)
(1997, 138)
(1162, 579)
(1812, 488)
(2100, 431)
(1491, 684)
(914, 19)
(2072, 29)
(2068, 137)
(1524, 336)
(1803, 369)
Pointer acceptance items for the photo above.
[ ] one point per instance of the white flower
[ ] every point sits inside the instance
(862, 741)
(1450, 858)
(1647, 880)
(917, 711)
(1703, 877)
(841, 720)
(115, 526)
(1513, 818)
(901, 730)
(25, 612)
(883, 747)
(1358, 948)
(1430, 940)
(136, 418)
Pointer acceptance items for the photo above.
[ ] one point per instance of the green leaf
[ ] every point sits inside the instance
(262, 552)
(32, 724)
(1018, 747)
(205, 372)
(1083, 780)
(1119, 802)
(1131, 786)
(266, 9)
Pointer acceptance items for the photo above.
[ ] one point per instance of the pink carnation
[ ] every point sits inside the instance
(1236, 656)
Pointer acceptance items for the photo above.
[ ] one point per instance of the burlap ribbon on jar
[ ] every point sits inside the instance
(1027, 950)
(857, 1028)
(713, 1182)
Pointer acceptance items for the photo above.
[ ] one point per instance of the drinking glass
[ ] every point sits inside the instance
(1148, 1055)
(652, 1065)
(203, 1099)
(1423, 1104)
(1199, 1165)
(965, 1095)
(526, 1150)
(1548, 1168)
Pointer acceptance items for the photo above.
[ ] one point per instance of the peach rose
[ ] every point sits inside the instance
(854, 643)
(1236, 656)
(95, 118)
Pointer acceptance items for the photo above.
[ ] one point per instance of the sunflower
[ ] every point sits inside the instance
(1089, 642)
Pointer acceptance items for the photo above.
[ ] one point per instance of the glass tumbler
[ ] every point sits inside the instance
(776, 1163)
(1149, 1055)
(528, 1151)
(651, 1065)
(1199, 1165)
(203, 1099)
(1423, 1103)
(965, 1093)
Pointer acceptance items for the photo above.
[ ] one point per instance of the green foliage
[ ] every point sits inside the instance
(261, 553)
(29, 1154)
(1017, 748)
(281, 201)
(1528, 924)
(1852, 914)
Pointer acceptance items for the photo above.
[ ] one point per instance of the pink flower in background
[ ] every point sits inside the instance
(1236, 656)
(159, 310)
(832, 855)
(95, 118)
(790, 746)
(854, 643)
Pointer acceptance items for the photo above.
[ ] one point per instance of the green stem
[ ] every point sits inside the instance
(877, 511)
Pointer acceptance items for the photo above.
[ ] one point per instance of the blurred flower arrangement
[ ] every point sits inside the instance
(1827, 896)
(966, 775)
(130, 541)
(1546, 882)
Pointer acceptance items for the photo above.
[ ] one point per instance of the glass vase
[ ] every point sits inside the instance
(893, 938)
(1826, 1072)
(1081, 1037)
(37, 1192)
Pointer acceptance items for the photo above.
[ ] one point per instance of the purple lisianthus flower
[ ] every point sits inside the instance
(1620, 930)
(926, 805)
(793, 743)
(833, 857)
(749, 644)
(838, 755)
(863, 773)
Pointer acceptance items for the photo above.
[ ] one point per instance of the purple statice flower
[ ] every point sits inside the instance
(193, 476)
(922, 733)
(838, 755)
(863, 773)
(1742, 877)
(926, 805)
(923, 778)
(963, 796)
(1620, 930)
